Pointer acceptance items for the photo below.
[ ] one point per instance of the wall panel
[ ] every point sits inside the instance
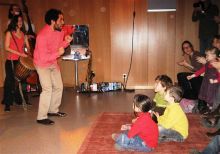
(157, 37)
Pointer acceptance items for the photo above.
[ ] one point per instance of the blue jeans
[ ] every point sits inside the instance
(135, 143)
(166, 135)
(213, 147)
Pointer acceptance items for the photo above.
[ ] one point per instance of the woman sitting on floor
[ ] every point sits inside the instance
(190, 88)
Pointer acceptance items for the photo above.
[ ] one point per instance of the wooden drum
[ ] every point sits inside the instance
(24, 67)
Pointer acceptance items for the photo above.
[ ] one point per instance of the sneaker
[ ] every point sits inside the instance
(119, 148)
(7, 108)
(204, 111)
(162, 139)
(45, 122)
(212, 121)
(58, 114)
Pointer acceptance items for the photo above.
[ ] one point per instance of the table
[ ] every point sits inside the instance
(71, 57)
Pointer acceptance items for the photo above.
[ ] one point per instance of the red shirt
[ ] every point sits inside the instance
(12, 45)
(146, 129)
(47, 44)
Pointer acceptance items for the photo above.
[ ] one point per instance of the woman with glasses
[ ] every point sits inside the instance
(190, 87)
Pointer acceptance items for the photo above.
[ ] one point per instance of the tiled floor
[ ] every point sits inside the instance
(20, 134)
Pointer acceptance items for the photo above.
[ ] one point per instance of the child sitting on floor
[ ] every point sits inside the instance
(209, 85)
(173, 124)
(142, 135)
(162, 82)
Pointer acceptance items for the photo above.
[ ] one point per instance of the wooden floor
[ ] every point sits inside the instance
(20, 134)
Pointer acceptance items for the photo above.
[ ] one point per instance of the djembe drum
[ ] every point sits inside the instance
(22, 70)
(24, 67)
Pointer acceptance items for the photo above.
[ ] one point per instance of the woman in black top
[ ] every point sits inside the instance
(191, 88)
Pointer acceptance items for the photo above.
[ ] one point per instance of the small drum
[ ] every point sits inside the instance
(24, 67)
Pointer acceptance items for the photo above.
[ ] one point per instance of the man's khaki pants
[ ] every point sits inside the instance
(52, 89)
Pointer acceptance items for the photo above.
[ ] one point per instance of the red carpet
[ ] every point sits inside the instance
(99, 141)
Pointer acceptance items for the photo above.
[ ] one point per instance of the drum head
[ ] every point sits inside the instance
(27, 62)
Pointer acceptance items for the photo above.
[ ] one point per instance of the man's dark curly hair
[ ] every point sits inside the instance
(52, 14)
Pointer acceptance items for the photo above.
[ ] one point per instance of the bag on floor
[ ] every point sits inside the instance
(187, 105)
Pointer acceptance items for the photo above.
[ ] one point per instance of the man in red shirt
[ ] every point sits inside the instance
(50, 45)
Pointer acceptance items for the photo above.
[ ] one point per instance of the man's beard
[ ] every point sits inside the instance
(57, 28)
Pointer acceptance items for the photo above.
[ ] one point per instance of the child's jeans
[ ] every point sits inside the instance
(166, 135)
(135, 143)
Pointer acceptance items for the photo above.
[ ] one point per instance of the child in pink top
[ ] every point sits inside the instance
(209, 85)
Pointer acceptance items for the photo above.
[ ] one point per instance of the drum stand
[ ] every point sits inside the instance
(24, 104)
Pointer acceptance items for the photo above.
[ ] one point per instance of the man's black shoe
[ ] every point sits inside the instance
(45, 122)
(58, 114)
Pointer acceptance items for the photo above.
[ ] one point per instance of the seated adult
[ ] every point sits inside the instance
(190, 87)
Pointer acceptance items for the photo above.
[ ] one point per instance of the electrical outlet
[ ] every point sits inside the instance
(124, 76)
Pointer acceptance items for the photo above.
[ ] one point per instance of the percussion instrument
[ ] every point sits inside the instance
(24, 67)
